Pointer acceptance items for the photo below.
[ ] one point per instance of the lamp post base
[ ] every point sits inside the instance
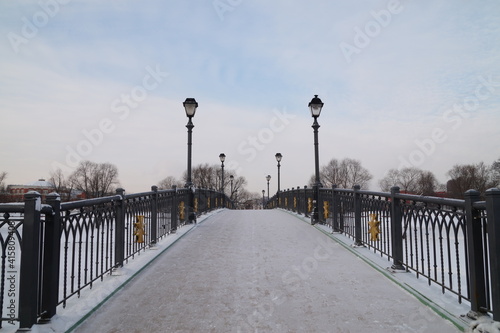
(314, 216)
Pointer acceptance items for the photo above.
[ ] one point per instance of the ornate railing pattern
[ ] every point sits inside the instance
(50, 252)
(451, 243)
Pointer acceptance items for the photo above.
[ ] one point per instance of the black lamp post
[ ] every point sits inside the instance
(268, 177)
(222, 158)
(278, 158)
(231, 178)
(190, 106)
(315, 106)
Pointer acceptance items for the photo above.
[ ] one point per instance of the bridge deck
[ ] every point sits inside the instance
(261, 271)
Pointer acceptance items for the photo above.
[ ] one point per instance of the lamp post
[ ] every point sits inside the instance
(315, 107)
(222, 158)
(231, 178)
(190, 106)
(268, 177)
(263, 192)
(278, 158)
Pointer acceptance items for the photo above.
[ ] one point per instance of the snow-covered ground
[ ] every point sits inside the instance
(277, 274)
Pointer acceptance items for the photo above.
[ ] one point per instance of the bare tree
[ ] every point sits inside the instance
(410, 180)
(346, 174)
(204, 176)
(210, 177)
(94, 179)
(247, 200)
(427, 183)
(470, 176)
(356, 174)
(239, 183)
(3, 175)
(330, 174)
(107, 178)
(58, 180)
(495, 168)
(169, 182)
(62, 186)
(391, 179)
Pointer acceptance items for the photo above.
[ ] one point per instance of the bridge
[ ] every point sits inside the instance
(377, 261)
(264, 271)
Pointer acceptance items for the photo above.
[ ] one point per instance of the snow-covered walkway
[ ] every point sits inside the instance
(261, 271)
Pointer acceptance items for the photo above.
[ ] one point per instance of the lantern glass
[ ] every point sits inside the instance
(278, 157)
(190, 106)
(315, 106)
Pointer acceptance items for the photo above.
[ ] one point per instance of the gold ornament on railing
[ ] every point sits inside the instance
(139, 231)
(374, 229)
(181, 211)
(326, 209)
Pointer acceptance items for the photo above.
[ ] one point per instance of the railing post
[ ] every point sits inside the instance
(306, 202)
(358, 237)
(173, 211)
(493, 216)
(154, 215)
(341, 211)
(320, 208)
(51, 258)
(396, 231)
(289, 202)
(29, 272)
(335, 211)
(475, 255)
(120, 229)
(298, 200)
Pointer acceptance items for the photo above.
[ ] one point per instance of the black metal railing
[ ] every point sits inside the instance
(51, 252)
(451, 243)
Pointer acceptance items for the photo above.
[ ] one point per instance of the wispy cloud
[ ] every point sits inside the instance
(261, 58)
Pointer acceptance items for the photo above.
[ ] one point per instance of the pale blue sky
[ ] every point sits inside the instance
(414, 81)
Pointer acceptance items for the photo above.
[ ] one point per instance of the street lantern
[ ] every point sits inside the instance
(190, 106)
(315, 107)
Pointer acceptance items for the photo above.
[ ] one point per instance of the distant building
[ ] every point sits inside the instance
(15, 193)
